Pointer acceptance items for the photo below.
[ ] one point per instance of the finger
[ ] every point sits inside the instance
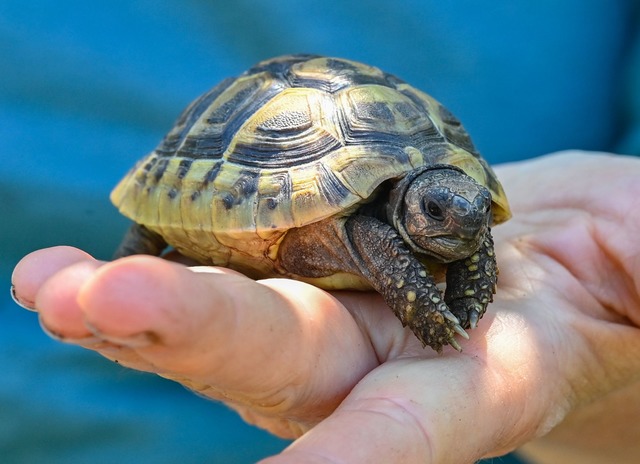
(578, 224)
(490, 399)
(48, 280)
(377, 432)
(412, 411)
(61, 315)
(456, 407)
(35, 268)
(229, 337)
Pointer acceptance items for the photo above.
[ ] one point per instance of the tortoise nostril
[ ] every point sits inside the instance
(461, 206)
(482, 202)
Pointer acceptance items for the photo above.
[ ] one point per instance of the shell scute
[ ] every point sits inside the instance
(284, 147)
(333, 74)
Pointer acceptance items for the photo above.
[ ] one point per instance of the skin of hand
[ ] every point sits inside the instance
(555, 359)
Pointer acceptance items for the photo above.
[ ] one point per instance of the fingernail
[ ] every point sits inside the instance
(137, 340)
(20, 303)
(85, 341)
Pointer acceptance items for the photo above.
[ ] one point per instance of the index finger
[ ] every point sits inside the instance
(37, 267)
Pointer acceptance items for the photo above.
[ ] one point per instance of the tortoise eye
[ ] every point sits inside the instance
(434, 210)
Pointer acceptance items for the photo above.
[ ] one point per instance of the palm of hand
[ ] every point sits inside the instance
(562, 332)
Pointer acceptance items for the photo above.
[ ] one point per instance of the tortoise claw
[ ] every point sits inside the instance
(451, 317)
(460, 331)
(474, 317)
(455, 344)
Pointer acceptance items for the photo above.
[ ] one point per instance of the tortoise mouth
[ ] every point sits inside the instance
(451, 241)
(448, 248)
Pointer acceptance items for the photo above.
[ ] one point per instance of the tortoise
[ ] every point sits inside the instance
(331, 172)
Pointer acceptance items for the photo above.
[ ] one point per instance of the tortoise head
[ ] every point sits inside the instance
(441, 211)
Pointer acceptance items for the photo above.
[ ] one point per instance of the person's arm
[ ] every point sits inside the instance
(556, 351)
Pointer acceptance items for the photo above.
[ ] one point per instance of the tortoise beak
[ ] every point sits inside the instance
(448, 248)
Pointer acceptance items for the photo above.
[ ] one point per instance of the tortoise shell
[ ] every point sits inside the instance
(292, 141)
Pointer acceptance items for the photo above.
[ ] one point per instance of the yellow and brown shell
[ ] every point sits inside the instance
(292, 141)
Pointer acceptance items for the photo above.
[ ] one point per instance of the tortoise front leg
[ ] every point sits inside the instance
(471, 283)
(140, 241)
(384, 260)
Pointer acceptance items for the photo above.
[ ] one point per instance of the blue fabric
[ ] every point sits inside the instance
(86, 88)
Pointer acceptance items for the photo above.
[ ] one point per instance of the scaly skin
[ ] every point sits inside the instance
(140, 240)
(471, 283)
(404, 283)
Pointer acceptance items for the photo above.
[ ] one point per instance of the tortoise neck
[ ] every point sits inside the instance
(378, 205)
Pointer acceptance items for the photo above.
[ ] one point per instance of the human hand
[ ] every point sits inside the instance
(339, 370)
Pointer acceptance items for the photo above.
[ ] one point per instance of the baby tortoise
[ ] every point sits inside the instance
(331, 172)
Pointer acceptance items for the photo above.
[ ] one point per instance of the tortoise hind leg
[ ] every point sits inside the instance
(140, 241)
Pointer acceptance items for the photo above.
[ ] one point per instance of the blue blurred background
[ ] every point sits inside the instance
(86, 88)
